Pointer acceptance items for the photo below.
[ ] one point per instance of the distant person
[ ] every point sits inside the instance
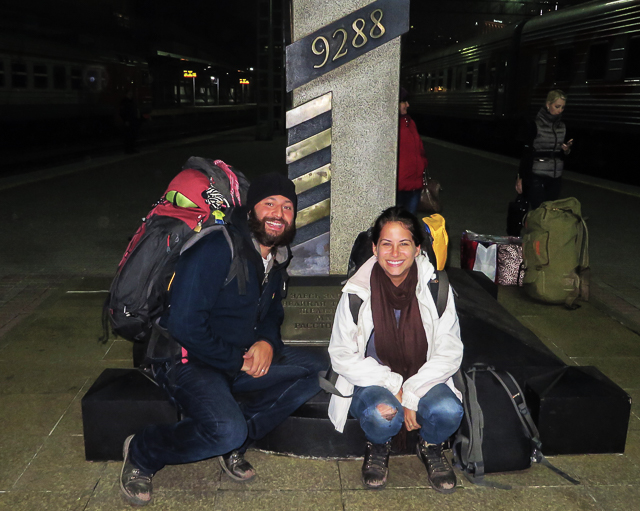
(540, 173)
(412, 161)
(397, 362)
(130, 118)
(232, 336)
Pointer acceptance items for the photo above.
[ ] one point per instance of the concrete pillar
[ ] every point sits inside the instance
(363, 102)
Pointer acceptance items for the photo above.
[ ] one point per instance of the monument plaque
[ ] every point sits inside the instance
(309, 309)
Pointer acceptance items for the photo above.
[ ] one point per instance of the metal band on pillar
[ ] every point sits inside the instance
(309, 160)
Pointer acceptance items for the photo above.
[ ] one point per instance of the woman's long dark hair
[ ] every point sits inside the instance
(398, 214)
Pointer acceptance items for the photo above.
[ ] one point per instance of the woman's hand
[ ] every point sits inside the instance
(567, 146)
(410, 420)
(519, 186)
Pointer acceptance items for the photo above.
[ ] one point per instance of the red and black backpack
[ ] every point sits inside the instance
(197, 201)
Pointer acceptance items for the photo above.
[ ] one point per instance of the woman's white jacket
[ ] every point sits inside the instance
(349, 340)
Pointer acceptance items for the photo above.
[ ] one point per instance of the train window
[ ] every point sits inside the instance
(76, 78)
(468, 83)
(449, 78)
(564, 65)
(540, 70)
(59, 78)
(18, 75)
(482, 75)
(492, 75)
(632, 67)
(597, 61)
(440, 79)
(459, 81)
(40, 76)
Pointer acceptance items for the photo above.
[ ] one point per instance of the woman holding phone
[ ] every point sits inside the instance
(540, 173)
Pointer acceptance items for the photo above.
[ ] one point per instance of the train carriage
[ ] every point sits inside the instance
(591, 51)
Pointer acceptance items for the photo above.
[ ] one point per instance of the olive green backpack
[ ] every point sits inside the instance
(555, 245)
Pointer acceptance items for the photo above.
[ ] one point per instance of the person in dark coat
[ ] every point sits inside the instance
(540, 173)
(412, 161)
(233, 346)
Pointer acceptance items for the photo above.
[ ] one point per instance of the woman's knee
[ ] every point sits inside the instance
(441, 405)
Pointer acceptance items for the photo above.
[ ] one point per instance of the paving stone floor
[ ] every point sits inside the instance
(49, 357)
(42, 463)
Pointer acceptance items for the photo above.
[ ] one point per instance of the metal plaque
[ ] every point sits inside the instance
(309, 310)
(345, 40)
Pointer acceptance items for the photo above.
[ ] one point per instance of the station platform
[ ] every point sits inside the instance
(64, 231)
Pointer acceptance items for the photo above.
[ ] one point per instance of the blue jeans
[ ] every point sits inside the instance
(409, 199)
(214, 422)
(439, 414)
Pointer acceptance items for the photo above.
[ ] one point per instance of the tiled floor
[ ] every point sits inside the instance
(49, 360)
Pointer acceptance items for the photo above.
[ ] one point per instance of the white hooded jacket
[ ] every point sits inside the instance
(349, 341)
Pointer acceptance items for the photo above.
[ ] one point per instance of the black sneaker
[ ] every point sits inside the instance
(236, 467)
(135, 484)
(441, 475)
(375, 467)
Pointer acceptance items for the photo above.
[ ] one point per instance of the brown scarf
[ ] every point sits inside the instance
(400, 345)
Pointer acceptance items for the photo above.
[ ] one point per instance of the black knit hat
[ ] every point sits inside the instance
(404, 94)
(269, 185)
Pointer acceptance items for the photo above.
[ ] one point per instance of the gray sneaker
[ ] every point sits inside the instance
(135, 484)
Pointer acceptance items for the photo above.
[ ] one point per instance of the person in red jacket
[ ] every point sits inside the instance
(412, 160)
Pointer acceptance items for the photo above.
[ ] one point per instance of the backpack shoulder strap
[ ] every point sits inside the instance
(355, 302)
(439, 288)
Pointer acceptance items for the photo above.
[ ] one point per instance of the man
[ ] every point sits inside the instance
(412, 160)
(231, 332)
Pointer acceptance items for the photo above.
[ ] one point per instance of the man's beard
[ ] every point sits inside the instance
(259, 230)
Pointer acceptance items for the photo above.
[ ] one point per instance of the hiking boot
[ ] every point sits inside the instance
(236, 467)
(135, 484)
(441, 475)
(375, 467)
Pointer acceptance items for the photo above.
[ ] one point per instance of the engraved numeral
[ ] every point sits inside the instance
(324, 50)
(359, 34)
(377, 24)
(320, 45)
(342, 50)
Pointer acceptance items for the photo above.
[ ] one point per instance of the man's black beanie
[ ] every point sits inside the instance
(269, 185)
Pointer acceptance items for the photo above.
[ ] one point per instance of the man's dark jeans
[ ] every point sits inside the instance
(214, 422)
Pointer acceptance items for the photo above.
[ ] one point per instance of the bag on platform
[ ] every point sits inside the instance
(430, 195)
(194, 204)
(479, 252)
(437, 232)
(515, 215)
(555, 244)
(497, 433)
(510, 267)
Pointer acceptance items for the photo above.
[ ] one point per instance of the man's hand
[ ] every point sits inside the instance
(410, 420)
(257, 359)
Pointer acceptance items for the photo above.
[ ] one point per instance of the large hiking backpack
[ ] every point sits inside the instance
(196, 201)
(555, 244)
(497, 433)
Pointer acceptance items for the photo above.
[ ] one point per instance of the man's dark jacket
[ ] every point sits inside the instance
(214, 322)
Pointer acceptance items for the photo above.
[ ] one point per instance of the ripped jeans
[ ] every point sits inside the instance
(439, 414)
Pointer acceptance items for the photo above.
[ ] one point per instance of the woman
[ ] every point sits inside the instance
(402, 374)
(540, 174)
(412, 160)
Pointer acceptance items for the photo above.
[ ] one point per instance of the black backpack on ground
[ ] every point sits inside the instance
(497, 433)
